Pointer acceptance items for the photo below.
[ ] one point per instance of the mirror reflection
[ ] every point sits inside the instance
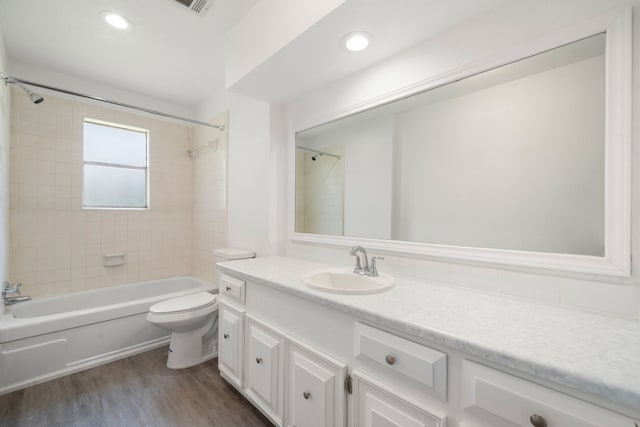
(512, 158)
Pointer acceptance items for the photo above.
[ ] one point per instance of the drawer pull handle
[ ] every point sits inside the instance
(226, 336)
(258, 360)
(228, 288)
(390, 360)
(537, 421)
(306, 395)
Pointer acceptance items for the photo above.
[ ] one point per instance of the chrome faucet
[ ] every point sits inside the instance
(11, 293)
(362, 262)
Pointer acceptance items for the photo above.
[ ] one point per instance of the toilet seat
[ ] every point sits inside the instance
(184, 304)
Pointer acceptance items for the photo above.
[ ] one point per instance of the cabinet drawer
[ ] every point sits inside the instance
(514, 400)
(232, 288)
(416, 361)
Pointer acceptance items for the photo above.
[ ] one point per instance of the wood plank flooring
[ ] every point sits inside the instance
(137, 391)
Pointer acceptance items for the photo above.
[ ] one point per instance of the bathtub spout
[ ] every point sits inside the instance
(13, 300)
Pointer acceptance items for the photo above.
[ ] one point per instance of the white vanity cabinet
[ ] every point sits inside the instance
(264, 367)
(231, 343)
(315, 388)
(306, 364)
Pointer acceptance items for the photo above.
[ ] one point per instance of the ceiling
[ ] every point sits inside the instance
(316, 58)
(177, 56)
(172, 54)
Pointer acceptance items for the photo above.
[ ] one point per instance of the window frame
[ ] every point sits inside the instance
(107, 164)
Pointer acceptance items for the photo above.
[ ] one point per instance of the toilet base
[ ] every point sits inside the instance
(191, 348)
(175, 361)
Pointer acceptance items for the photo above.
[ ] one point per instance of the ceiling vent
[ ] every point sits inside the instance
(199, 7)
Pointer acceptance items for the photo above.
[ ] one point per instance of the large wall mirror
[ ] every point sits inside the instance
(512, 164)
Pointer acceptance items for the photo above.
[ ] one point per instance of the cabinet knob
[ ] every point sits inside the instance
(228, 288)
(258, 360)
(226, 336)
(537, 421)
(306, 395)
(390, 359)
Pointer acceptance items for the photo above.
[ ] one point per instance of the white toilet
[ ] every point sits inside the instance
(193, 320)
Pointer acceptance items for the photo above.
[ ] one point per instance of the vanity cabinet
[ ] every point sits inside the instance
(315, 388)
(264, 367)
(303, 363)
(231, 342)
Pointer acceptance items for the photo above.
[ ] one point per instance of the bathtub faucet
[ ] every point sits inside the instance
(11, 293)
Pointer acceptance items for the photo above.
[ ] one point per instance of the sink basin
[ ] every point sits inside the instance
(345, 281)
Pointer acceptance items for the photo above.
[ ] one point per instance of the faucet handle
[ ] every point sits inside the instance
(374, 266)
(11, 288)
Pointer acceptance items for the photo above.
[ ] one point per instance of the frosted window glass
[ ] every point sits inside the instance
(109, 144)
(106, 186)
(115, 166)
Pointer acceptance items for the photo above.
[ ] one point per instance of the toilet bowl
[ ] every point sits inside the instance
(193, 319)
(193, 323)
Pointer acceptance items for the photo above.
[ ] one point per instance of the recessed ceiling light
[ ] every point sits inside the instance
(117, 21)
(356, 42)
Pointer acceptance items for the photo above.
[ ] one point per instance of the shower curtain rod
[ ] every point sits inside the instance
(324, 153)
(108, 101)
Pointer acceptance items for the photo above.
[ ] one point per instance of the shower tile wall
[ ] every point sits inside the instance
(323, 193)
(209, 196)
(58, 247)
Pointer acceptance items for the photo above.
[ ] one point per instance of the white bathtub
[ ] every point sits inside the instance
(55, 336)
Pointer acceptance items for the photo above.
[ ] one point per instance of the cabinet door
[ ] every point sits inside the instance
(230, 343)
(315, 388)
(264, 368)
(376, 406)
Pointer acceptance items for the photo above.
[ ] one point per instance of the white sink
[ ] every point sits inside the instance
(345, 281)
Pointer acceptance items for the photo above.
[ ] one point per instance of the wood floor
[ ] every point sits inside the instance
(137, 391)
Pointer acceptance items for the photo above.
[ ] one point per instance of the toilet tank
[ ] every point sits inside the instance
(228, 254)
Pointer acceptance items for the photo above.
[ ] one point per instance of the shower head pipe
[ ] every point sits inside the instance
(19, 82)
(35, 98)
(318, 153)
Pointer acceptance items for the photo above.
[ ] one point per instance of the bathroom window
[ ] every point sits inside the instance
(115, 166)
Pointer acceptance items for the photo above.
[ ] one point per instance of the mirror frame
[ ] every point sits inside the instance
(618, 85)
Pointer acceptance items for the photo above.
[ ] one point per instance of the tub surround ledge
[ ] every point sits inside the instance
(594, 354)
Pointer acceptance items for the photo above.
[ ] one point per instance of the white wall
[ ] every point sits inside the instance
(503, 29)
(79, 84)
(252, 170)
(209, 195)
(271, 24)
(5, 118)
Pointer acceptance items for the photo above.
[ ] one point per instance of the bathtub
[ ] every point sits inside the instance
(51, 337)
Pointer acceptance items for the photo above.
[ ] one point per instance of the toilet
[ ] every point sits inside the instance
(193, 320)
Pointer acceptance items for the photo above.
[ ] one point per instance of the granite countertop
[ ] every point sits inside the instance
(591, 353)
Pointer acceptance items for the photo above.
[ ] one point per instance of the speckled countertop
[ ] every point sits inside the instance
(595, 354)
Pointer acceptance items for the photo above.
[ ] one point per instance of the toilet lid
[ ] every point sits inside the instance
(185, 303)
